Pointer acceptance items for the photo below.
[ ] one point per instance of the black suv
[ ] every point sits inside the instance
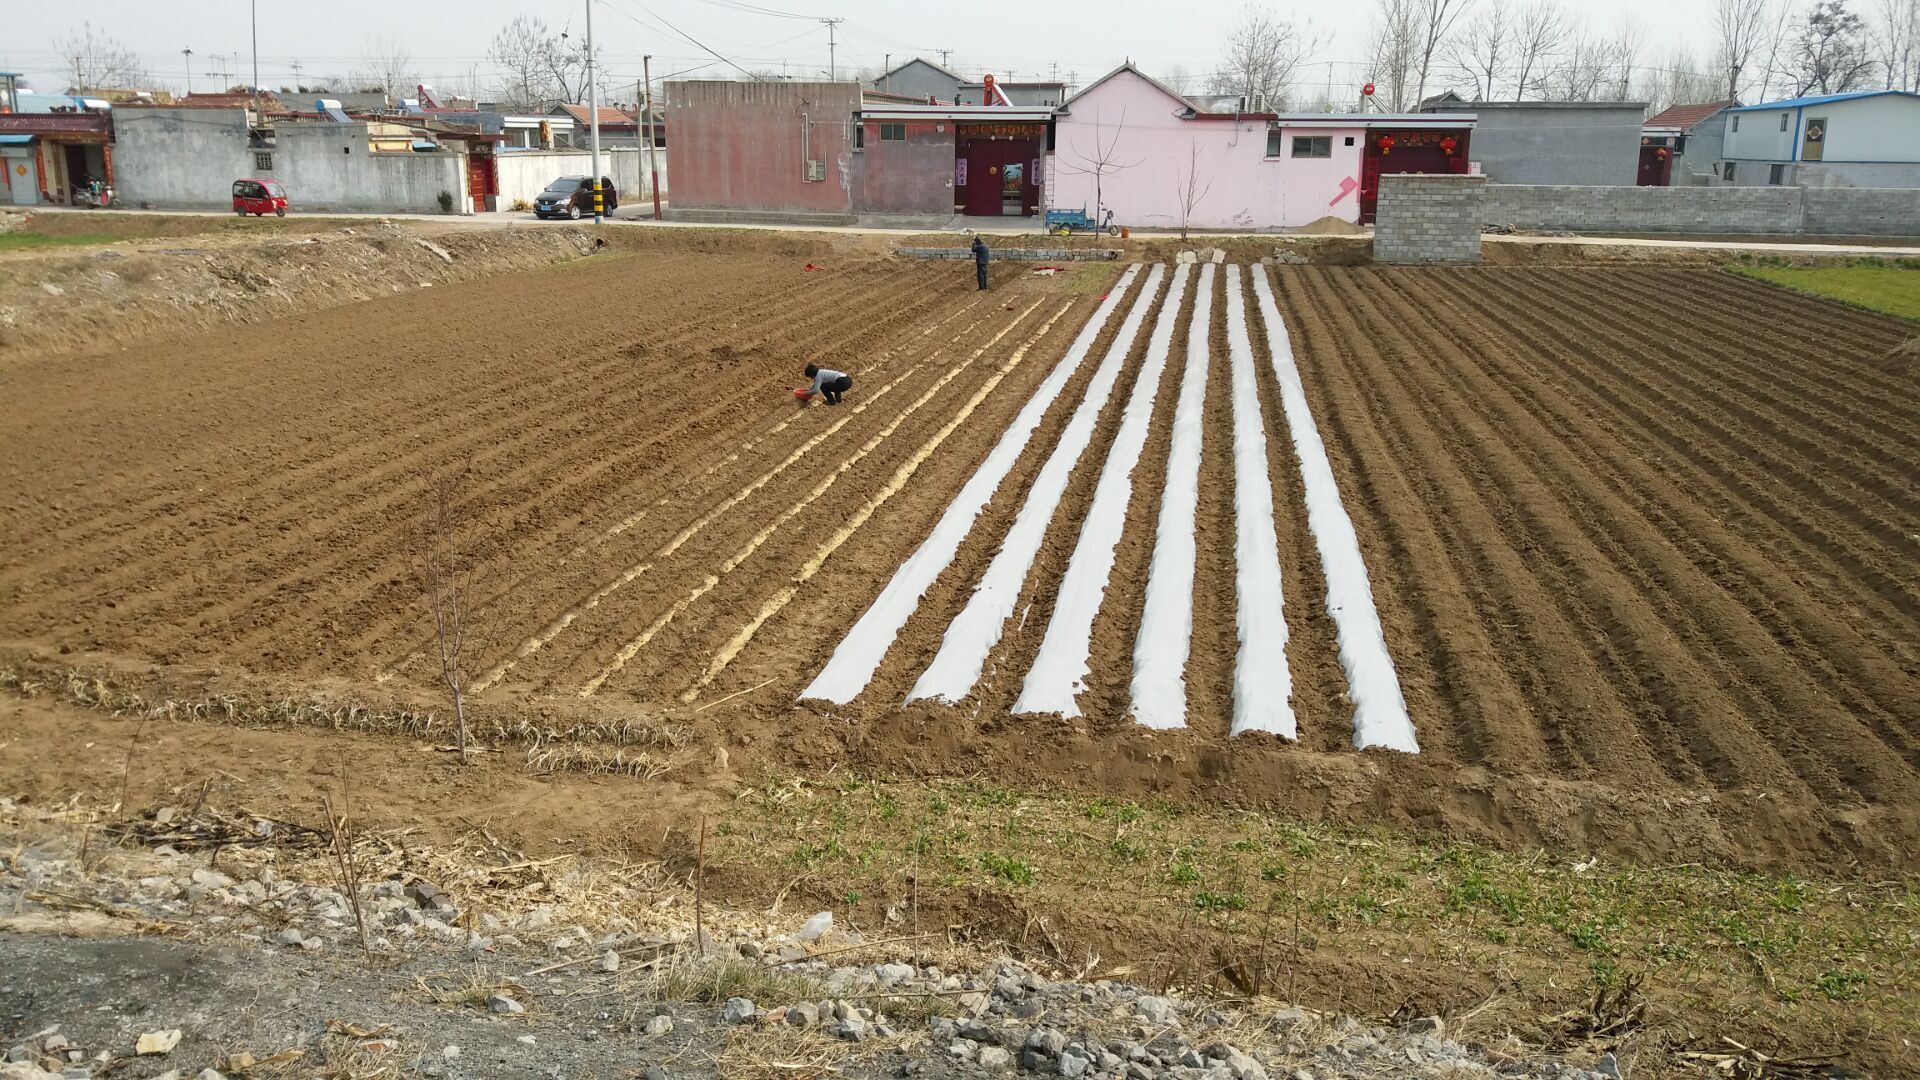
(572, 197)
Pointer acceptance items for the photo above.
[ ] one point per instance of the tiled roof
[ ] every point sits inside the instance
(609, 117)
(1685, 117)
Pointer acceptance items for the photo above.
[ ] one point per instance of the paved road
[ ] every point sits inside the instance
(641, 215)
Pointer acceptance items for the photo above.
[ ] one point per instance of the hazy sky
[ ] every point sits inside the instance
(448, 42)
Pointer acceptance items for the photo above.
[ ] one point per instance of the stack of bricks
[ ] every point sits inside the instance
(1428, 219)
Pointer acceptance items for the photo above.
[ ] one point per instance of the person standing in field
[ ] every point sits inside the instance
(980, 261)
(828, 383)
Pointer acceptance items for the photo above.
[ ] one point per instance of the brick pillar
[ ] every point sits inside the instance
(1425, 218)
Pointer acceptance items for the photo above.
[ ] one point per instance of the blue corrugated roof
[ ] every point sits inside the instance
(1823, 99)
(15, 140)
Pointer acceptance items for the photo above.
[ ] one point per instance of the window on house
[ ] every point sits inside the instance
(1349, 141)
(1729, 176)
(859, 135)
(262, 161)
(1736, 122)
(1783, 121)
(1313, 146)
(893, 133)
(1273, 143)
(1776, 175)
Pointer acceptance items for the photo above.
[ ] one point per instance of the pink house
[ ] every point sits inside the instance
(1131, 144)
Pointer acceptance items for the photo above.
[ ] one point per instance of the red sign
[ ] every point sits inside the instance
(1003, 131)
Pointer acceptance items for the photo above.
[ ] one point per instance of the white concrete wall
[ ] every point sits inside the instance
(1760, 137)
(179, 158)
(1879, 129)
(328, 167)
(524, 173)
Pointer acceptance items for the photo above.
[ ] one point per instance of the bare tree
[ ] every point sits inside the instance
(1262, 54)
(1482, 49)
(1189, 188)
(1623, 52)
(1580, 69)
(445, 573)
(1538, 35)
(1830, 55)
(1739, 28)
(519, 53)
(386, 67)
(1435, 20)
(95, 60)
(1100, 161)
(1393, 52)
(1679, 79)
(1899, 36)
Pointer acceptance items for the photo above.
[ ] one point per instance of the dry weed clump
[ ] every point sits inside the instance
(621, 745)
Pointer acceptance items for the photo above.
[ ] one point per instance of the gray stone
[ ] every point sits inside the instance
(1193, 1059)
(1608, 1066)
(210, 1074)
(1108, 1062)
(1072, 1065)
(852, 1029)
(977, 1030)
(803, 1015)
(1156, 1010)
(1046, 1041)
(1287, 1019)
(77, 1073)
(1034, 1060)
(1425, 1025)
(609, 961)
(212, 879)
(1244, 1067)
(993, 1057)
(750, 950)
(655, 1072)
(843, 1010)
(659, 1025)
(892, 974)
(739, 1010)
(1139, 1071)
(290, 936)
(18, 1054)
(502, 1005)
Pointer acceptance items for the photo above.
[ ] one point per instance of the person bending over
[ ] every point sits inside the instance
(828, 383)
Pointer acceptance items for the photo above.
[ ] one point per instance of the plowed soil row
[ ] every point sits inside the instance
(1648, 584)
(1610, 553)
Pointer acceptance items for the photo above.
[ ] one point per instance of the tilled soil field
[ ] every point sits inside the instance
(1640, 541)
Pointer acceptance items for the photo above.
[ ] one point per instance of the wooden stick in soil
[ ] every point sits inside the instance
(699, 883)
(735, 694)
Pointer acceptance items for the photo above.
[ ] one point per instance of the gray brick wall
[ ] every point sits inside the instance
(1719, 210)
(1428, 219)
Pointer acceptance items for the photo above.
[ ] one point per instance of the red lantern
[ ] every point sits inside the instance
(1367, 90)
(1447, 144)
(1661, 153)
(1386, 144)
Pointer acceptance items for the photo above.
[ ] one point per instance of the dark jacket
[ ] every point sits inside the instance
(979, 252)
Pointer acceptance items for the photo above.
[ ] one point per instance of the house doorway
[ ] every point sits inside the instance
(1656, 166)
(997, 169)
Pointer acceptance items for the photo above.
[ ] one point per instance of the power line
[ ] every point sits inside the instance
(690, 38)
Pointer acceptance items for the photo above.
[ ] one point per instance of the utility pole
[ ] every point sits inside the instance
(833, 70)
(944, 54)
(187, 61)
(886, 69)
(253, 7)
(653, 173)
(593, 104)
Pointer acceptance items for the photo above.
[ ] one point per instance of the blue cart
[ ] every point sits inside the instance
(1064, 222)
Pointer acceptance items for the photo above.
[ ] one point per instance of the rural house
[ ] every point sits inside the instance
(1682, 146)
(1869, 139)
(1552, 142)
(1131, 144)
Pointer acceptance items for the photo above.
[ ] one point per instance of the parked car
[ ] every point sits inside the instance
(259, 197)
(572, 196)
